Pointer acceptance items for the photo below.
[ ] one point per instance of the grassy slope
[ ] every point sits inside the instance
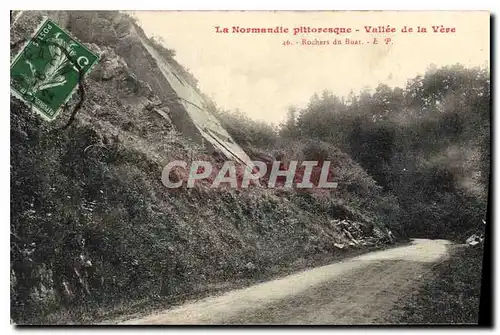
(100, 180)
(450, 294)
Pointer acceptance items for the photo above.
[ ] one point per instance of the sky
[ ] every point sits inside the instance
(261, 77)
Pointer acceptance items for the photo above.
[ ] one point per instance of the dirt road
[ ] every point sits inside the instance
(359, 290)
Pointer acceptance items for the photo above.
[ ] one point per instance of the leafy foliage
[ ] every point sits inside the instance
(427, 143)
(92, 225)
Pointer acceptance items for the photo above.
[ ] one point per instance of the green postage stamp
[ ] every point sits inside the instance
(47, 70)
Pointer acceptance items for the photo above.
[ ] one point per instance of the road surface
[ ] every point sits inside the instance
(359, 290)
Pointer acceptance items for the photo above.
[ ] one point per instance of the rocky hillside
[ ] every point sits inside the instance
(93, 227)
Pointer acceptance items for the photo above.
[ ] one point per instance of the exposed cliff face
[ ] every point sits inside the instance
(93, 193)
(166, 78)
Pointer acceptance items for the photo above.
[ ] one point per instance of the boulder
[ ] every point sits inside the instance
(474, 239)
